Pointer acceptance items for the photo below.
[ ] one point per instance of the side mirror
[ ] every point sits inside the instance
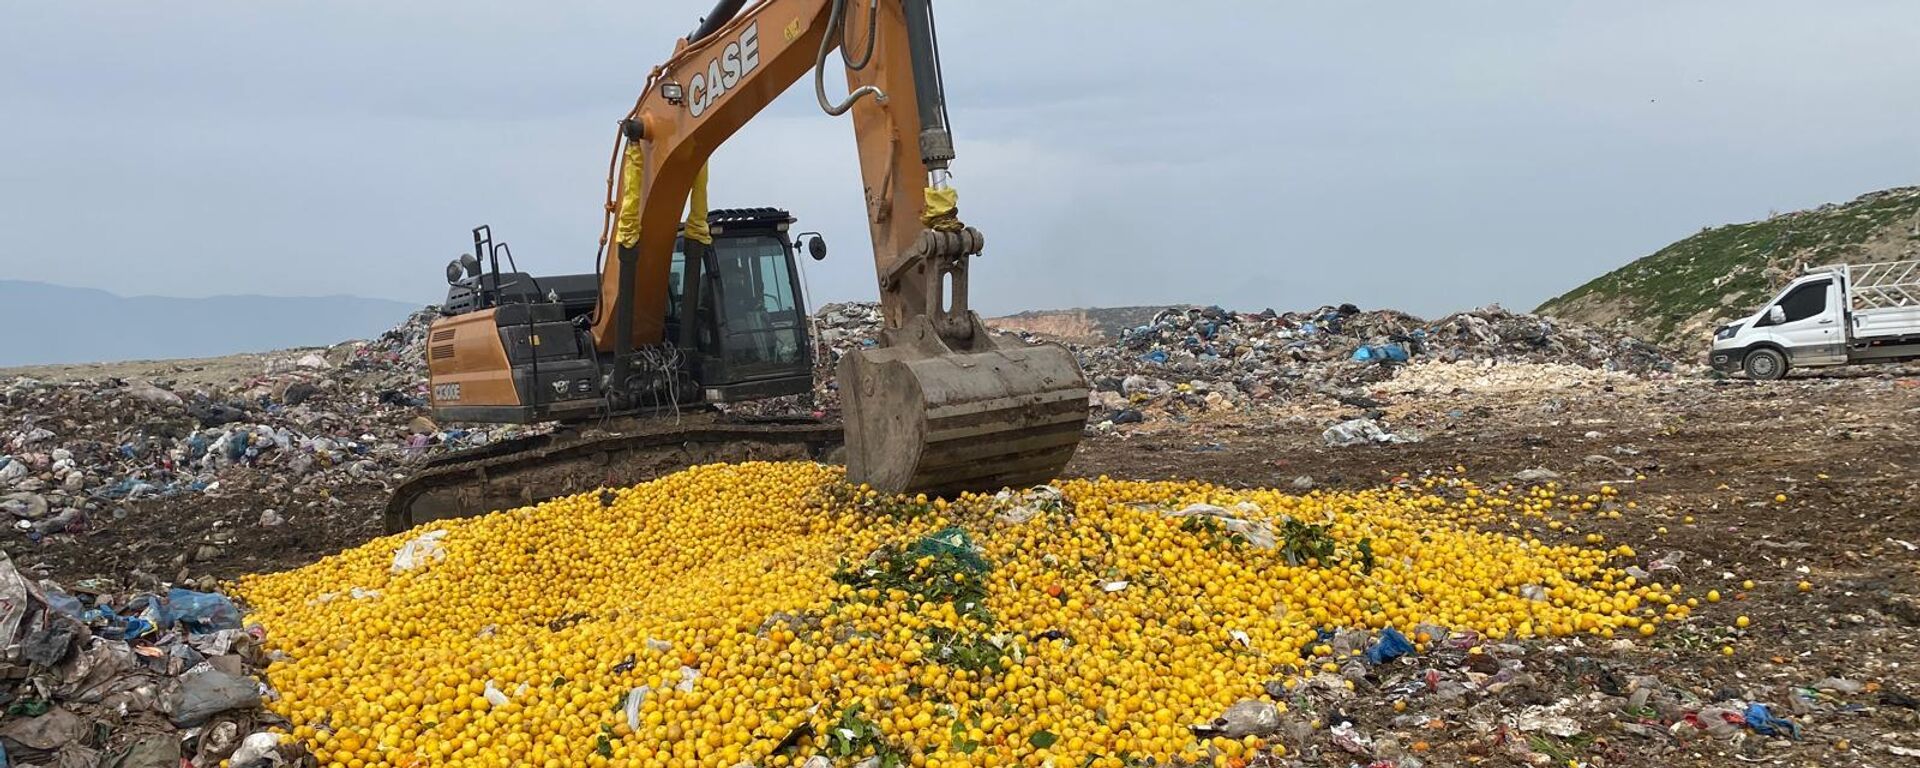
(816, 245)
(1776, 315)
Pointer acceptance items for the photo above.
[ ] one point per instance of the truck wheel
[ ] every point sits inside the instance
(1765, 364)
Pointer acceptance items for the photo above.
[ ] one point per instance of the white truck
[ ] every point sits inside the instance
(1837, 315)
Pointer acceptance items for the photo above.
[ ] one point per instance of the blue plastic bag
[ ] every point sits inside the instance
(1380, 353)
(201, 611)
(1762, 721)
(1390, 646)
(62, 602)
(1155, 356)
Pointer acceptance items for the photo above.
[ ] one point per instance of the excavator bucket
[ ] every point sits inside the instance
(921, 416)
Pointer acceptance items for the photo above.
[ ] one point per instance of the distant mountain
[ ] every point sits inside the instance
(43, 323)
(1677, 294)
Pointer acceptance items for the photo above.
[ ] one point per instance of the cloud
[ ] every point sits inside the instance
(1428, 157)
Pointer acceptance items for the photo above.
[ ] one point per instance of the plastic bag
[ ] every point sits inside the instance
(204, 692)
(952, 544)
(635, 698)
(494, 696)
(1762, 721)
(201, 611)
(13, 599)
(1390, 646)
(1240, 522)
(1361, 432)
(423, 549)
(1248, 718)
(1380, 353)
(60, 602)
(262, 748)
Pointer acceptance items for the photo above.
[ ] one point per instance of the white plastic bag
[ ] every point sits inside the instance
(423, 549)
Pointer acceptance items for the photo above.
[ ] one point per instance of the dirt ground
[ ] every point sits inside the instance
(1704, 460)
(190, 372)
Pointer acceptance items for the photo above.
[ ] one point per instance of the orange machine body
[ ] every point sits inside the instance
(467, 363)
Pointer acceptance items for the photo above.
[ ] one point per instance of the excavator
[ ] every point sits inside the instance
(682, 315)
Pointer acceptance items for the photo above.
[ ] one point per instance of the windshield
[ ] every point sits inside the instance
(760, 307)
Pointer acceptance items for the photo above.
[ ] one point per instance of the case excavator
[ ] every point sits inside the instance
(685, 314)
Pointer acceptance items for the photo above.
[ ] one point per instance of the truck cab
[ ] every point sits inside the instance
(1837, 315)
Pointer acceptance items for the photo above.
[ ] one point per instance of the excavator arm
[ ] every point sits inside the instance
(718, 79)
(941, 404)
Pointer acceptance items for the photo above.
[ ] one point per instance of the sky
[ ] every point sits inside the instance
(1429, 157)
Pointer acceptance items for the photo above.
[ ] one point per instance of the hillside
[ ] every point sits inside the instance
(58, 324)
(1676, 295)
(1083, 324)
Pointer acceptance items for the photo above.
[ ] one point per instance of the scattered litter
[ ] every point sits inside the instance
(1362, 432)
(1390, 646)
(1762, 721)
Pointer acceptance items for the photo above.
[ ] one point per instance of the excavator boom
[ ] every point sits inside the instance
(940, 405)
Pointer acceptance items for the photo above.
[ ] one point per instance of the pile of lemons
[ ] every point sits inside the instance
(768, 613)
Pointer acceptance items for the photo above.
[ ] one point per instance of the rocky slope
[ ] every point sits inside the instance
(1676, 295)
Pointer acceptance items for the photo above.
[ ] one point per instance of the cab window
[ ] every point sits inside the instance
(676, 273)
(1805, 301)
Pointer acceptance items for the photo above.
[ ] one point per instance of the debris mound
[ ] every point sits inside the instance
(299, 430)
(97, 676)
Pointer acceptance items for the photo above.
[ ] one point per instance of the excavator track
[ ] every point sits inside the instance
(522, 471)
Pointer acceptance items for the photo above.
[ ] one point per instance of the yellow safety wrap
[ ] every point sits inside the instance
(697, 229)
(943, 210)
(632, 172)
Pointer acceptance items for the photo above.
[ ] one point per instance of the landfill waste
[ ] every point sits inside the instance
(1361, 432)
(1195, 360)
(304, 430)
(75, 456)
(862, 625)
(1190, 361)
(128, 678)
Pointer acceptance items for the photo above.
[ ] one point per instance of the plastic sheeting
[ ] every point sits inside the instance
(697, 228)
(633, 167)
(943, 210)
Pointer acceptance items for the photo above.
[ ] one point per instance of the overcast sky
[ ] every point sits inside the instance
(1425, 156)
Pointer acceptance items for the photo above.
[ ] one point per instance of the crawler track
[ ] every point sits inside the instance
(515, 473)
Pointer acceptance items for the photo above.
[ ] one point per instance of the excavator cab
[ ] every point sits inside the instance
(748, 325)
(742, 336)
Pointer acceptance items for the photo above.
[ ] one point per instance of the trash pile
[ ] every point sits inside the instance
(770, 614)
(164, 477)
(1194, 360)
(837, 330)
(133, 680)
(1197, 360)
(1432, 696)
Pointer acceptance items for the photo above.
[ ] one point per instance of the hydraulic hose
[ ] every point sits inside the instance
(834, 18)
(723, 12)
(873, 29)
